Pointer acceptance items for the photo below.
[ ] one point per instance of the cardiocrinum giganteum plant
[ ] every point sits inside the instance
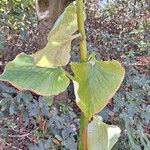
(95, 81)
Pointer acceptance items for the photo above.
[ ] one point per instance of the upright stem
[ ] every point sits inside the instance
(80, 17)
(83, 57)
(83, 133)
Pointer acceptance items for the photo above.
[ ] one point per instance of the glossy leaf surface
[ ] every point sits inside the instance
(23, 74)
(95, 84)
(57, 51)
(102, 136)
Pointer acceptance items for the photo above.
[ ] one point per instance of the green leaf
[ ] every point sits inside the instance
(57, 51)
(102, 136)
(24, 75)
(95, 84)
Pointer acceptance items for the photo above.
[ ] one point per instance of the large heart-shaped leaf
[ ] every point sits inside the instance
(57, 51)
(102, 136)
(23, 74)
(95, 84)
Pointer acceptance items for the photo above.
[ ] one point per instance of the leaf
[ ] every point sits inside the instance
(113, 135)
(12, 108)
(6, 88)
(48, 143)
(95, 84)
(102, 136)
(24, 75)
(57, 51)
(48, 100)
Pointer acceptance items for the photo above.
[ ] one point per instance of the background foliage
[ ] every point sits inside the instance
(116, 30)
(18, 22)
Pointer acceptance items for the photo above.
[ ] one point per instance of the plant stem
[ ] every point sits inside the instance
(83, 133)
(81, 17)
(83, 57)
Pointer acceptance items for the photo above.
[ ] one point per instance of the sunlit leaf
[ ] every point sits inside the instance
(102, 136)
(95, 84)
(57, 51)
(23, 74)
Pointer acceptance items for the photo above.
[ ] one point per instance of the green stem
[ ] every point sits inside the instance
(81, 17)
(83, 57)
(83, 133)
